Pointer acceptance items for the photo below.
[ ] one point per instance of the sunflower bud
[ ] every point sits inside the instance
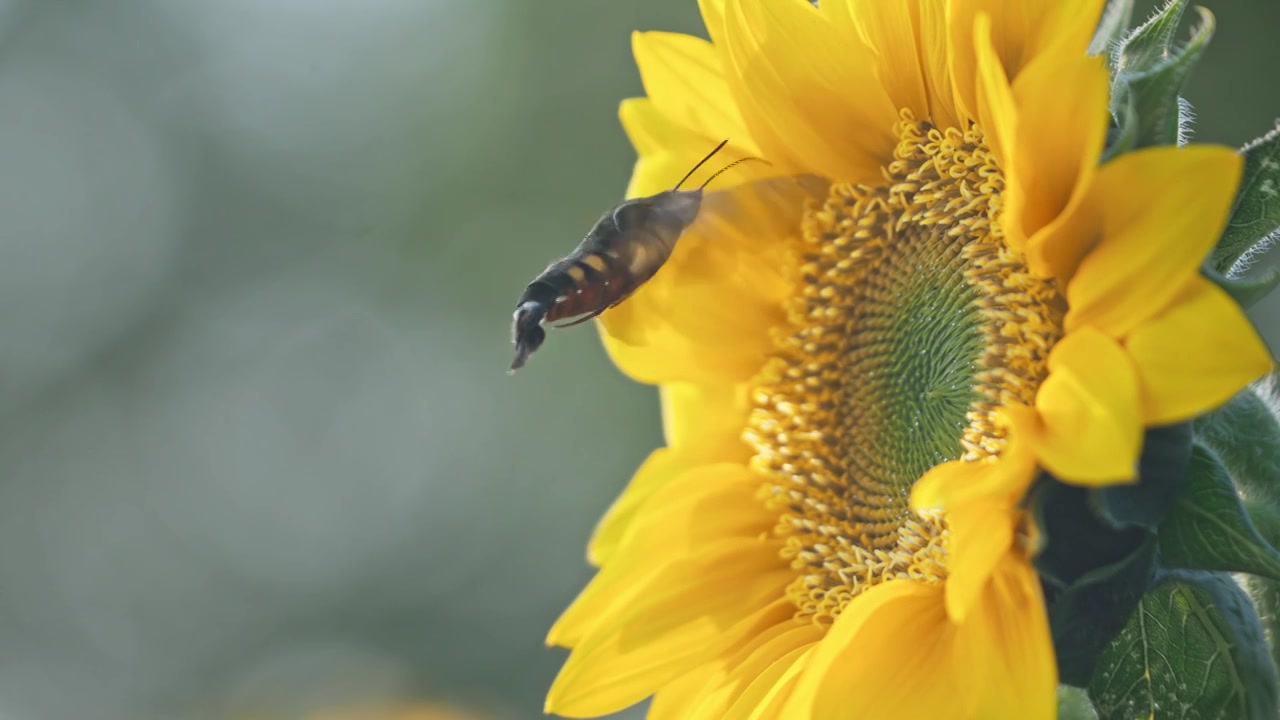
(1150, 71)
(1148, 45)
(1111, 28)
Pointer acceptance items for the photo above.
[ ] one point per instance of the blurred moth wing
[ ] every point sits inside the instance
(631, 243)
(741, 235)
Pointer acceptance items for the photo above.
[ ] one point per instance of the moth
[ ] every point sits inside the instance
(623, 251)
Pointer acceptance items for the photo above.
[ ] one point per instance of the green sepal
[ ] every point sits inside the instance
(1208, 528)
(1186, 118)
(1148, 45)
(1245, 435)
(1193, 647)
(1111, 28)
(1255, 216)
(1156, 91)
(1092, 572)
(1162, 469)
(1075, 539)
(1245, 291)
(1122, 136)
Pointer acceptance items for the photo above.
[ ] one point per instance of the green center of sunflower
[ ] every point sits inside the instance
(914, 321)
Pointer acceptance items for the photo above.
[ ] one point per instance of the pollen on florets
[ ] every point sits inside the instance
(913, 321)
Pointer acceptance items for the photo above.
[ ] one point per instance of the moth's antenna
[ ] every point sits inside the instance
(700, 163)
(726, 167)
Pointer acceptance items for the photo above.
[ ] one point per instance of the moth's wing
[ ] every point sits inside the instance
(731, 262)
(768, 202)
(749, 220)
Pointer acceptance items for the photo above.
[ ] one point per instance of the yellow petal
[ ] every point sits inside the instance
(666, 355)
(1022, 31)
(1195, 355)
(778, 695)
(935, 58)
(661, 467)
(705, 505)
(705, 420)
(940, 484)
(981, 535)
(808, 94)
(676, 699)
(1087, 427)
(706, 315)
(702, 424)
(962, 56)
(892, 31)
(713, 701)
(1011, 629)
(1162, 210)
(997, 112)
(712, 16)
(769, 689)
(669, 149)
(1063, 29)
(754, 668)
(949, 484)
(683, 78)
(1058, 248)
(1065, 99)
(683, 618)
(892, 653)
(736, 669)
(652, 132)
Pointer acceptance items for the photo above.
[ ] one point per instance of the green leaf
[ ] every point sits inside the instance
(1208, 528)
(1093, 573)
(1115, 21)
(1245, 435)
(1266, 518)
(1245, 291)
(1266, 597)
(1148, 44)
(1074, 704)
(1162, 468)
(1156, 92)
(1266, 593)
(1255, 217)
(1085, 617)
(1193, 648)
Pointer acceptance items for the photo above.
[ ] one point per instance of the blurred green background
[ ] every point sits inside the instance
(259, 456)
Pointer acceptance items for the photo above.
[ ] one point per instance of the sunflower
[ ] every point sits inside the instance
(859, 388)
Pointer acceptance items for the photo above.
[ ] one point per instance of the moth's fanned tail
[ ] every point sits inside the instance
(527, 331)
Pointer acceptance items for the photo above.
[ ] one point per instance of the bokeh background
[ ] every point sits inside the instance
(258, 454)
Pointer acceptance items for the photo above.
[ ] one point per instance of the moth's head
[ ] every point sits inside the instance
(678, 206)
